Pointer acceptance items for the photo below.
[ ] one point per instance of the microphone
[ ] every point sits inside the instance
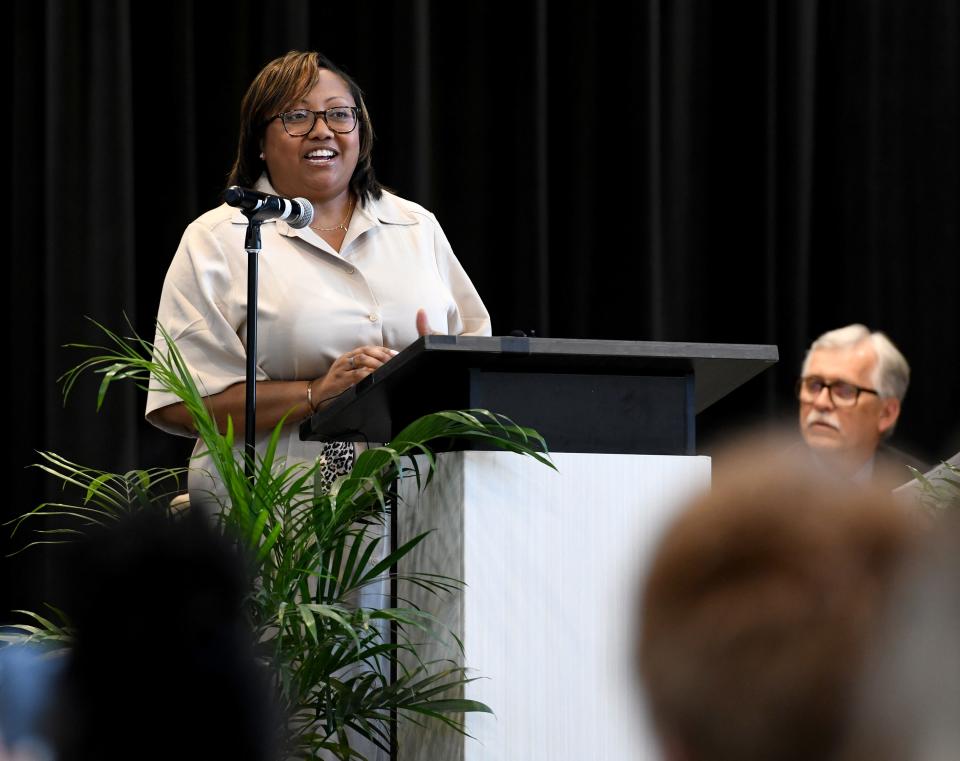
(296, 212)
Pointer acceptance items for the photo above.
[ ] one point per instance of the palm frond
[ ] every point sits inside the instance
(313, 549)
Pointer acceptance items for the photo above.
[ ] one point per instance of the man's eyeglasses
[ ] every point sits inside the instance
(842, 394)
(300, 121)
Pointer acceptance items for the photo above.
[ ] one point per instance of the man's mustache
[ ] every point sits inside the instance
(826, 418)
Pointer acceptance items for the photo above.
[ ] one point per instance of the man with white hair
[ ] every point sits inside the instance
(851, 391)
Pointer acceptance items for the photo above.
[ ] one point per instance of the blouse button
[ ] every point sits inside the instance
(351, 271)
(373, 317)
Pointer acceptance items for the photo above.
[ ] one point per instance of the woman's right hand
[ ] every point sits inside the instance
(348, 370)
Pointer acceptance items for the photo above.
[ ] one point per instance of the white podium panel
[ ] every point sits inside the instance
(552, 562)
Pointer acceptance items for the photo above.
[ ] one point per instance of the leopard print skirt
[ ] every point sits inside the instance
(336, 460)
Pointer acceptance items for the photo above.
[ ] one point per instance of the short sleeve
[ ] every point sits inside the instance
(471, 317)
(203, 309)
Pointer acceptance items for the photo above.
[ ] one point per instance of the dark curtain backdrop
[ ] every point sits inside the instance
(757, 171)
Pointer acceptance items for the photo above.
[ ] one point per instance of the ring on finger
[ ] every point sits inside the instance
(353, 361)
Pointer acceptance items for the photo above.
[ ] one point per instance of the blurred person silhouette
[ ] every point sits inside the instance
(163, 664)
(851, 392)
(27, 676)
(909, 700)
(757, 608)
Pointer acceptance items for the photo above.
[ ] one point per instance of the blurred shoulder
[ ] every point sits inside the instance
(893, 466)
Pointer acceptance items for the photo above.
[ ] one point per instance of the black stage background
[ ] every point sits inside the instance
(753, 171)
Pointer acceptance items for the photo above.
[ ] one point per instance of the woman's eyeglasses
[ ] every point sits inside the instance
(299, 122)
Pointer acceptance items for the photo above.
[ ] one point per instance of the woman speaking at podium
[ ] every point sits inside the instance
(337, 299)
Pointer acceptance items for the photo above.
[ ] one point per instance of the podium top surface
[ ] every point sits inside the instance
(422, 368)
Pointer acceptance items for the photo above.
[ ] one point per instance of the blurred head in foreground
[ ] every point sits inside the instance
(163, 663)
(757, 609)
(909, 701)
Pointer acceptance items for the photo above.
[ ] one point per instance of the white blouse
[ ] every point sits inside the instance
(315, 304)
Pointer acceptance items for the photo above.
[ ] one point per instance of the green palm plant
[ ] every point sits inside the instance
(312, 549)
(940, 489)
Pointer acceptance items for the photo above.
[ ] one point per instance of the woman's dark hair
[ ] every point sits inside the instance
(280, 83)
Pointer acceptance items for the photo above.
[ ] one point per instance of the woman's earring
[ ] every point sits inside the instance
(261, 155)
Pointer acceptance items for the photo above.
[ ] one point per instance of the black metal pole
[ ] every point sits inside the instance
(394, 503)
(252, 246)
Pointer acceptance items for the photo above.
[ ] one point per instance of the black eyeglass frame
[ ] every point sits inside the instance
(322, 115)
(829, 388)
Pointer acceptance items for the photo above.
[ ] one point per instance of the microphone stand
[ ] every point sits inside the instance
(257, 208)
(252, 246)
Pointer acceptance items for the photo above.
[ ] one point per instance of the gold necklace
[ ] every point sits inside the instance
(341, 226)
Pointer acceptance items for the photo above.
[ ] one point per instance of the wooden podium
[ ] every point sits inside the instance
(552, 560)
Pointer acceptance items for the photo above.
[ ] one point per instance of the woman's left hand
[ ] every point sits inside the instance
(423, 324)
